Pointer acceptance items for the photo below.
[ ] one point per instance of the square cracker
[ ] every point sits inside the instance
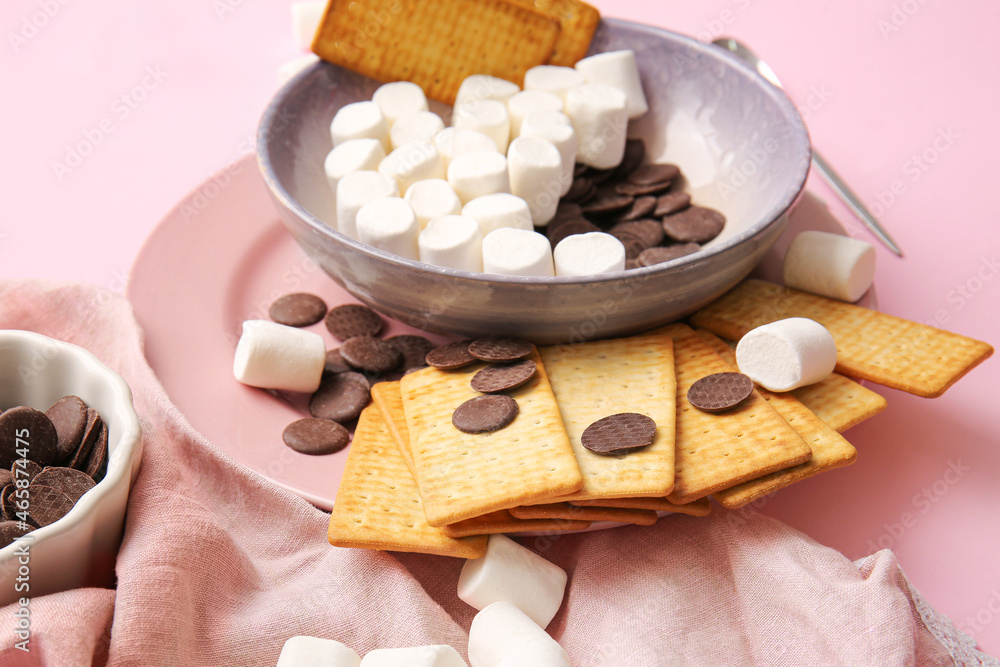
(840, 401)
(700, 507)
(717, 451)
(569, 511)
(887, 350)
(599, 378)
(387, 396)
(502, 521)
(377, 504)
(829, 449)
(435, 43)
(577, 21)
(463, 475)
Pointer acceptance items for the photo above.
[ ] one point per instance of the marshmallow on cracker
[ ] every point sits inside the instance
(356, 189)
(536, 172)
(589, 254)
(432, 198)
(500, 209)
(830, 265)
(275, 356)
(501, 632)
(787, 354)
(359, 120)
(555, 127)
(389, 224)
(618, 69)
(478, 173)
(398, 99)
(600, 118)
(454, 242)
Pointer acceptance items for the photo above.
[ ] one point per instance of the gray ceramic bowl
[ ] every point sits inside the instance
(738, 140)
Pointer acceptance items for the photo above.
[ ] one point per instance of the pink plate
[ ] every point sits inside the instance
(220, 257)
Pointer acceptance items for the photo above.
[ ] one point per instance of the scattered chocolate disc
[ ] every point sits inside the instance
(640, 208)
(352, 320)
(619, 433)
(635, 153)
(671, 203)
(47, 505)
(11, 530)
(340, 397)
(579, 190)
(25, 469)
(696, 224)
(650, 232)
(649, 174)
(501, 377)
(69, 416)
(569, 229)
(38, 439)
(299, 309)
(500, 349)
(660, 254)
(315, 437)
(606, 203)
(720, 391)
(413, 348)
(450, 356)
(633, 244)
(484, 414)
(91, 434)
(335, 363)
(97, 462)
(73, 483)
(371, 354)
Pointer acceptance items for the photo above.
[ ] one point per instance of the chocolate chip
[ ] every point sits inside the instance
(335, 363)
(484, 414)
(660, 254)
(619, 433)
(91, 433)
(11, 530)
(500, 349)
(69, 416)
(635, 153)
(315, 437)
(47, 505)
(671, 203)
(371, 354)
(633, 244)
(299, 309)
(606, 203)
(502, 377)
(696, 224)
(648, 174)
(638, 190)
(450, 356)
(340, 397)
(25, 469)
(720, 391)
(24, 430)
(650, 232)
(413, 348)
(97, 462)
(580, 190)
(569, 229)
(640, 208)
(352, 320)
(73, 483)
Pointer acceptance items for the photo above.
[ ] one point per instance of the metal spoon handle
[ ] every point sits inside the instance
(853, 202)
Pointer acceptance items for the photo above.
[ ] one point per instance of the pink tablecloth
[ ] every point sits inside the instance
(220, 567)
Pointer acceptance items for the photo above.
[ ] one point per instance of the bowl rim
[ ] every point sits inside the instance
(278, 190)
(129, 445)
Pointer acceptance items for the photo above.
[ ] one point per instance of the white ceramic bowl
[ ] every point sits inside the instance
(80, 549)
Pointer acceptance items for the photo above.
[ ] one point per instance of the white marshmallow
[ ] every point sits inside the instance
(588, 255)
(416, 126)
(359, 120)
(528, 101)
(389, 224)
(292, 67)
(554, 126)
(452, 142)
(352, 155)
(618, 69)
(274, 356)
(356, 189)
(509, 572)
(398, 99)
(552, 79)
(478, 87)
(454, 242)
(600, 119)
(501, 631)
(302, 651)
(830, 265)
(536, 172)
(305, 20)
(412, 162)
(517, 252)
(432, 198)
(478, 173)
(487, 116)
(440, 655)
(787, 354)
(497, 210)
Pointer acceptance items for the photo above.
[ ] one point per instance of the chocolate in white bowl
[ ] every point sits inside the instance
(738, 140)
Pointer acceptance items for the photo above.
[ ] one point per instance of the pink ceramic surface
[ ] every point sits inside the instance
(895, 99)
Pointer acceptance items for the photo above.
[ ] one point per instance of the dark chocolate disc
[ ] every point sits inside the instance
(720, 391)
(503, 377)
(27, 433)
(484, 414)
(315, 437)
(649, 174)
(665, 253)
(69, 416)
(299, 309)
(47, 505)
(413, 348)
(370, 354)
(74, 483)
(619, 433)
(671, 203)
(353, 319)
(640, 208)
(340, 397)
(450, 356)
(650, 232)
(695, 224)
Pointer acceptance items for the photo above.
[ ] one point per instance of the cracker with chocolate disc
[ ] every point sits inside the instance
(577, 21)
(700, 507)
(829, 449)
(599, 378)
(502, 521)
(882, 348)
(462, 475)
(718, 451)
(435, 44)
(377, 504)
(580, 513)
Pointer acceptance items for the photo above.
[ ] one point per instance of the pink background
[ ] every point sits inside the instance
(897, 94)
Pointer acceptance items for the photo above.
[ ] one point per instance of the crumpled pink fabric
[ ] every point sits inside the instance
(220, 567)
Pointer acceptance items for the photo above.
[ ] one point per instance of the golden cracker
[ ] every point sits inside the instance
(435, 43)
(577, 21)
(377, 504)
(387, 396)
(599, 378)
(717, 451)
(700, 507)
(884, 349)
(569, 511)
(502, 521)
(829, 449)
(463, 475)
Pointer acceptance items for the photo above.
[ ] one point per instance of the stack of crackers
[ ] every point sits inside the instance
(413, 482)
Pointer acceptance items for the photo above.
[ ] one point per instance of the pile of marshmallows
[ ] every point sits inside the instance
(469, 196)
(517, 592)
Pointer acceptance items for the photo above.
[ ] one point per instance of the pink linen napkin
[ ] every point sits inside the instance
(219, 567)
